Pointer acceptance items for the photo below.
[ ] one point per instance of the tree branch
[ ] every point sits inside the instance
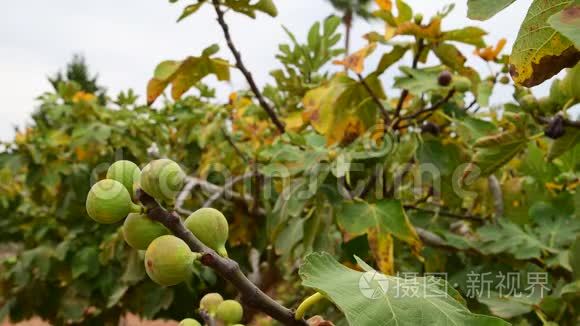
(376, 99)
(568, 123)
(434, 107)
(405, 92)
(446, 214)
(227, 268)
(240, 65)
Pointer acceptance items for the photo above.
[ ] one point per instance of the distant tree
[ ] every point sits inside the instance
(351, 9)
(77, 71)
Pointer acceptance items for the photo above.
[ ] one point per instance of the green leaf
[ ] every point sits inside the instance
(468, 35)
(575, 258)
(485, 9)
(507, 237)
(508, 306)
(539, 51)
(390, 58)
(567, 22)
(419, 81)
(492, 152)
(385, 216)
(247, 8)
(370, 299)
(190, 10)
(563, 144)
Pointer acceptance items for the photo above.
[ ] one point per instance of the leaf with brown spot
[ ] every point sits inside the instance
(382, 247)
(430, 32)
(567, 22)
(540, 52)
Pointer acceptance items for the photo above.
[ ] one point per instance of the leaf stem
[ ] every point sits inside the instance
(307, 303)
(376, 99)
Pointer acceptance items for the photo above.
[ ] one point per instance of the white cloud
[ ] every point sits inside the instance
(124, 40)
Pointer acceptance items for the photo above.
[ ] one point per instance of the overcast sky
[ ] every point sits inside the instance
(123, 40)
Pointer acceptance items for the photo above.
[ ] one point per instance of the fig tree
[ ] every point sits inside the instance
(126, 172)
(189, 322)
(162, 179)
(462, 84)
(230, 312)
(210, 227)
(168, 260)
(139, 231)
(210, 302)
(109, 202)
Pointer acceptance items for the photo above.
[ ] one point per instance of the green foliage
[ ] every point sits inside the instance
(416, 180)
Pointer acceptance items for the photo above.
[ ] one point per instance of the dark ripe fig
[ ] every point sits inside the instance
(109, 202)
(162, 179)
(139, 231)
(210, 302)
(230, 312)
(462, 84)
(430, 127)
(189, 322)
(126, 172)
(210, 226)
(168, 260)
(555, 128)
(445, 78)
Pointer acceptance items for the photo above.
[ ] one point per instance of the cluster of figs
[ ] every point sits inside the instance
(168, 259)
(225, 312)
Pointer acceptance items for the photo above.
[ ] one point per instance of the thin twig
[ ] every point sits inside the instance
(405, 92)
(227, 268)
(240, 65)
(376, 99)
(568, 123)
(235, 147)
(446, 214)
(434, 107)
(227, 187)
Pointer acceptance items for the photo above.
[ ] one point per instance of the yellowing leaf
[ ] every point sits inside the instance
(183, 75)
(81, 96)
(540, 51)
(429, 32)
(567, 22)
(382, 246)
(385, 4)
(342, 108)
(294, 121)
(355, 61)
(491, 53)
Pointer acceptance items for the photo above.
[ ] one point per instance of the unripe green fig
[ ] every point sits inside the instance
(168, 260)
(529, 103)
(126, 172)
(210, 302)
(570, 85)
(210, 226)
(504, 80)
(189, 322)
(139, 231)
(162, 179)
(230, 312)
(109, 202)
(462, 84)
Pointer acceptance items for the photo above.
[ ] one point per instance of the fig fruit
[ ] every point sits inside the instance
(139, 231)
(555, 128)
(529, 103)
(126, 172)
(210, 226)
(109, 202)
(504, 80)
(162, 179)
(168, 260)
(189, 322)
(210, 302)
(462, 84)
(445, 78)
(230, 312)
